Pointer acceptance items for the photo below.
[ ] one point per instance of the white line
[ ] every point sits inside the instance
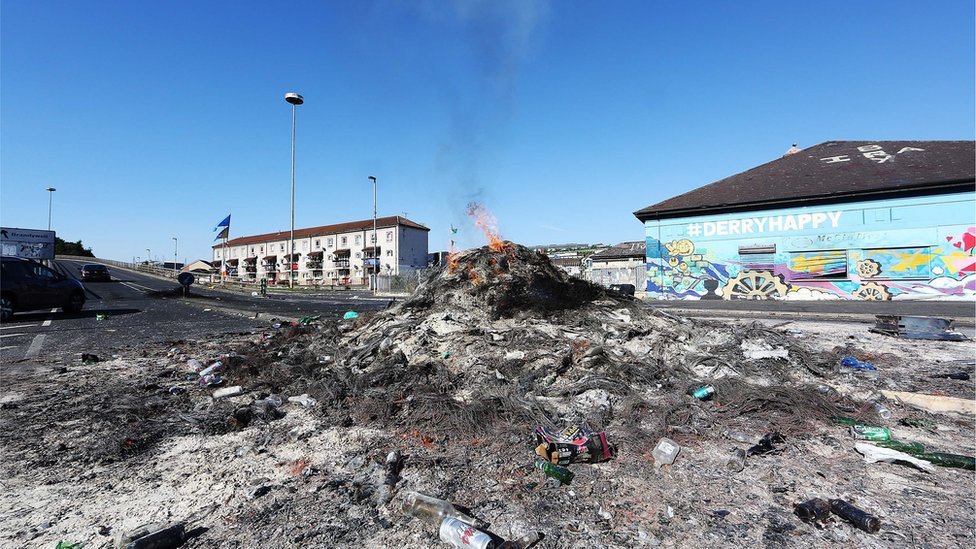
(9, 347)
(140, 287)
(11, 335)
(35, 346)
(48, 321)
(17, 326)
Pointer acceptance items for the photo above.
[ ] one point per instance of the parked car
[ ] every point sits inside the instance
(27, 285)
(95, 272)
(626, 289)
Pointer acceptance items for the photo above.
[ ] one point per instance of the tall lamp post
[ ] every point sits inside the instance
(148, 256)
(376, 255)
(295, 100)
(50, 204)
(176, 252)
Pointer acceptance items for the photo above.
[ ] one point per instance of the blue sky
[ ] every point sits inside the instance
(156, 119)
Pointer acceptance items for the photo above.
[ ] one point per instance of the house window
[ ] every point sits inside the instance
(282, 247)
(329, 242)
(372, 238)
(304, 244)
(318, 244)
(252, 250)
(262, 249)
(818, 264)
(357, 255)
(358, 239)
(389, 236)
(389, 253)
(344, 240)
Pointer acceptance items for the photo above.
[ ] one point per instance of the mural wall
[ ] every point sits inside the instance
(909, 248)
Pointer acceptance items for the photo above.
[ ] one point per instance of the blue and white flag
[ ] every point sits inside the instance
(223, 227)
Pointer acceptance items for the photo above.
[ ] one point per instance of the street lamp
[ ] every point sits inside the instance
(295, 100)
(176, 251)
(148, 257)
(50, 203)
(376, 259)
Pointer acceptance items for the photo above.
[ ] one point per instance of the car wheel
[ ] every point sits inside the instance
(6, 307)
(75, 304)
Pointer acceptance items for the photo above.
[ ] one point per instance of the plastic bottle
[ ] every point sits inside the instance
(464, 536)
(883, 412)
(737, 462)
(665, 452)
(562, 474)
(865, 521)
(432, 510)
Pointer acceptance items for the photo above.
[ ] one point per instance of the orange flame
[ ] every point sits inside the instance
(484, 220)
(472, 275)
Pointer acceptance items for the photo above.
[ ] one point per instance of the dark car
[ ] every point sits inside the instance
(27, 285)
(626, 289)
(95, 272)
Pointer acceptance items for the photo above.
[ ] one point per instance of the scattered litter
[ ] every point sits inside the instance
(212, 369)
(874, 454)
(852, 362)
(87, 358)
(68, 545)
(176, 390)
(194, 365)
(303, 399)
(101, 316)
(167, 538)
(767, 445)
(665, 452)
(464, 536)
(883, 413)
(210, 380)
(704, 393)
(306, 320)
(350, 315)
(228, 391)
(573, 445)
(814, 510)
(869, 432)
(432, 510)
(867, 522)
(759, 350)
(916, 327)
(933, 403)
(206, 310)
(562, 474)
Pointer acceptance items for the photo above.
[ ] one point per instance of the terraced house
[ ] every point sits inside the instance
(339, 254)
(871, 220)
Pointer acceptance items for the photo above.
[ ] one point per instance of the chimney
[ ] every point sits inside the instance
(792, 150)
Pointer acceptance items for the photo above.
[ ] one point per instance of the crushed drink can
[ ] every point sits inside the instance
(464, 536)
(704, 393)
(867, 432)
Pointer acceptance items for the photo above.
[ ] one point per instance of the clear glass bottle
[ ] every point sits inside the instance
(432, 510)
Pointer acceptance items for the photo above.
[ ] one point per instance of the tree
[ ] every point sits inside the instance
(71, 248)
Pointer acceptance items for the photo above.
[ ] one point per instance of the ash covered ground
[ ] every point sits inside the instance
(456, 378)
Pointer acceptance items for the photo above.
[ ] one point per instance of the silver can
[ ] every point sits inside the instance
(464, 536)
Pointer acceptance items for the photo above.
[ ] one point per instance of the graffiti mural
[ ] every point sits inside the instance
(855, 261)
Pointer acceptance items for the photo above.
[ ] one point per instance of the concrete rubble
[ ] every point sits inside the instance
(295, 451)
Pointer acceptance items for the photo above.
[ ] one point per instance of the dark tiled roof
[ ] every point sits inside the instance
(567, 261)
(831, 172)
(622, 250)
(381, 223)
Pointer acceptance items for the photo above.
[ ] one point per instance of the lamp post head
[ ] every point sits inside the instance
(50, 189)
(372, 177)
(294, 98)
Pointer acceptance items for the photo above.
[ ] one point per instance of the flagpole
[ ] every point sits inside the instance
(223, 259)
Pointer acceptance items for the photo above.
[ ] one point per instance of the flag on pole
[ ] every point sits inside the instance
(223, 227)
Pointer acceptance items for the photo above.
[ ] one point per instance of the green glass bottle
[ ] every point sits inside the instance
(949, 460)
(907, 447)
(562, 474)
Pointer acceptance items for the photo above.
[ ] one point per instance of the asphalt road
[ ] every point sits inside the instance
(142, 309)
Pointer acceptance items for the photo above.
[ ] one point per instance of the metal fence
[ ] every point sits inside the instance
(627, 275)
(403, 283)
(141, 267)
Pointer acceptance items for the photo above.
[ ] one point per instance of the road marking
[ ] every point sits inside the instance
(9, 347)
(35, 346)
(11, 335)
(17, 326)
(140, 287)
(48, 321)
